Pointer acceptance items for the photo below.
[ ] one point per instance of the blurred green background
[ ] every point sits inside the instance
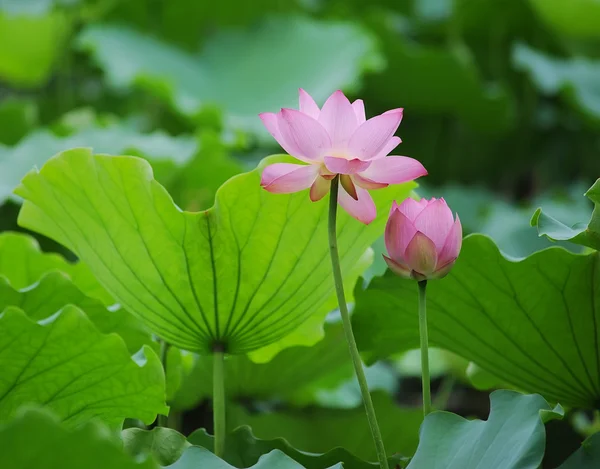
(501, 98)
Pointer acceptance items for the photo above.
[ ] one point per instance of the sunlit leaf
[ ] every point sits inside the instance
(274, 59)
(55, 290)
(29, 60)
(513, 437)
(244, 449)
(38, 146)
(530, 323)
(243, 274)
(23, 263)
(37, 440)
(583, 234)
(579, 18)
(67, 365)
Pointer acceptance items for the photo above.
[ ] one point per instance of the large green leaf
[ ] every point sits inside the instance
(55, 290)
(197, 457)
(576, 78)
(295, 370)
(586, 457)
(37, 147)
(578, 18)
(29, 60)
(244, 449)
(243, 274)
(23, 263)
(318, 430)
(35, 439)
(67, 365)
(164, 444)
(584, 234)
(274, 59)
(532, 323)
(512, 438)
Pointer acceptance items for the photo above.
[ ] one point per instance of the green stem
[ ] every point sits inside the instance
(164, 348)
(424, 348)
(339, 288)
(219, 400)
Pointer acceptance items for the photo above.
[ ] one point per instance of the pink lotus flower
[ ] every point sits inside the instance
(338, 139)
(422, 239)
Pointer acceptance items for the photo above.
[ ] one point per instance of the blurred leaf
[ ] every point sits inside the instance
(586, 457)
(196, 457)
(67, 365)
(164, 445)
(18, 116)
(576, 18)
(516, 320)
(40, 145)
(257, 256)
(585, 235)
(37, 440)
(412, 80)
(55, 290)
(23, 263)
(244, 449)
(296, 370)
(512, 438)
(317, 430)
(29, 60)
(575, 78)
(273, 60)
(481, 379)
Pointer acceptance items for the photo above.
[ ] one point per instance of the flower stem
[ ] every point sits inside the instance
(424, 348)
(358, 366)
(219, 400)
(164, 348)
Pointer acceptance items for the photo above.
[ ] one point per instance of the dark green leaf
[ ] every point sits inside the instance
(65, 364)
(245, 273)
(37, 440)
(164, 445)
(530, 323)
(586, 457)
(579, 18)
(512, 438)
(244, 449)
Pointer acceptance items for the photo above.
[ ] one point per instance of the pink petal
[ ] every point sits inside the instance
(338, 118)
(411, 208)
(270, 121)
(283, 178)
(388, 147)
(366, 183)
(319, 188)
(359, 111)
(452, 244)
(305, 133)
(397, 268)
(362, 209)
(394, 170)
(399, 231)
(435, 221)
(348, 185)
(421, 255)
(373, 135)
(344, 166)
(308, 105)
